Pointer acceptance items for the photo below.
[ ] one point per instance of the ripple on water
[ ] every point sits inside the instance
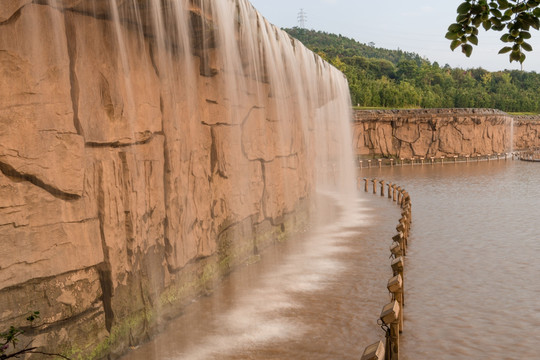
(472, 287)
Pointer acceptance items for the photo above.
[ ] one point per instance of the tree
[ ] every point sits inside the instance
(514, 17)
(10, 338)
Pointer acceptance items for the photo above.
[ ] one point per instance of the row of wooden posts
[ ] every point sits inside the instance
(441, 159)
(391, 318)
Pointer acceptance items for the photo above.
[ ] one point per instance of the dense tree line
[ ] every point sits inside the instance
(394, 78)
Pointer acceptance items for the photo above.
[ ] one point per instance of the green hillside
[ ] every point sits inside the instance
(394, 78)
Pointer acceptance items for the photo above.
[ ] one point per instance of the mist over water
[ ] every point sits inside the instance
(315, 296)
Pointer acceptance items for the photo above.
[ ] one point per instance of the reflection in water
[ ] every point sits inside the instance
(472, 286)
(317, 296)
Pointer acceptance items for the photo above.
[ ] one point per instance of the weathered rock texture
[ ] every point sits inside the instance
(126, 188)
(526, 132)
(441, 132)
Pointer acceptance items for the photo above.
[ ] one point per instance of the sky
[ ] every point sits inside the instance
(415, 26)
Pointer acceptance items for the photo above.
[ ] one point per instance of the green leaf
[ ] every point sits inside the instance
(464, 8)
(522, 58)
(503, 4)
(536, 12)
(477, 20)
(467, 49)
(451, 35)
(462, 18)
(515, 56)
(455, 28)
(496, 13)
(495, 21)
(486, 25)
(473, 39)
(519, 8)
(505, 49)
(525, 35)
(506, 38)
(526, 46)
(536, 24)
(454, 44)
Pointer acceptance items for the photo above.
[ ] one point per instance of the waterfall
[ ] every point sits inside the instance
(148, 147)
(511, 135)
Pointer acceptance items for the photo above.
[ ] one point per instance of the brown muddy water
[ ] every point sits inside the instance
(472, 286)
(316, 296)
(473, 266)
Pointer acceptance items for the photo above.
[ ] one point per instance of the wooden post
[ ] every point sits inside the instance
(432, 160)
(392, 162)
(374, 352)
(395, 249)
(382, 187)
(466, 158)
(361, 164)
(442, 160)
(366, 184)
(380, 163)
(369, 163)
(394, 192)
(395, 286)
(389, 190)
(400, 239)
(398, 266)
(390, 317)
(407, 211)
(374, 186)
(403, 228)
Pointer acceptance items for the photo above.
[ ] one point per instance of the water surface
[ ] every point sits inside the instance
(471, 277)
(316, 296)
(472, 267)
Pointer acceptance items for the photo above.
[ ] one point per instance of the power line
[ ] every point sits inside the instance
(302, 18)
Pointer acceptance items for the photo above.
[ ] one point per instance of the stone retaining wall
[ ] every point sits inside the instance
(441, 132)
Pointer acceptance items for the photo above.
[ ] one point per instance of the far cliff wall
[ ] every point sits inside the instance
(526, 132)
(441, 132)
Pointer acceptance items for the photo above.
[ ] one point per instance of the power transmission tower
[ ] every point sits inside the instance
(302, 18)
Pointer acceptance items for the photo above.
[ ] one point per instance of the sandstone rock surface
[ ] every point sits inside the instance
(136, 168)
(440, 132)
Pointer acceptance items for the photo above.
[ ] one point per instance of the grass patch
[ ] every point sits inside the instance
(522, 113)
(384, 108)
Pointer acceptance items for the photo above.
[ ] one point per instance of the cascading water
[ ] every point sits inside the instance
(511, 136)
(148, 147)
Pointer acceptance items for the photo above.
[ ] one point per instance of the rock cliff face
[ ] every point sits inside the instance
(441, 132)
(526, 132)
(142, 158)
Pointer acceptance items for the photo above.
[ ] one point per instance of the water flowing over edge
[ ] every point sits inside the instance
(174, 134)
